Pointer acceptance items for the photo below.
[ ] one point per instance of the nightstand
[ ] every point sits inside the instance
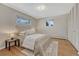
(9, 41)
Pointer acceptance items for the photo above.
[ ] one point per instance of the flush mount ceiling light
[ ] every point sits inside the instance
(41, 7)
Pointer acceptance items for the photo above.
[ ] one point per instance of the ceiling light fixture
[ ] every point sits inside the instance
(41, 7)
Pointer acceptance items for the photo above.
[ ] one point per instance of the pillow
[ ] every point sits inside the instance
(30, 31)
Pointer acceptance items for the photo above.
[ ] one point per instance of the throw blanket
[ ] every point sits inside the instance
(46, 47)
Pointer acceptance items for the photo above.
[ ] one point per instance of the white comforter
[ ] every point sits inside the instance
(29, 40)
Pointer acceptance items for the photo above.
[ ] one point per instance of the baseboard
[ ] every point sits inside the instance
(58, 38)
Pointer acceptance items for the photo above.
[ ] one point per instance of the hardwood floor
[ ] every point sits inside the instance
(13, 52)
(65, 48)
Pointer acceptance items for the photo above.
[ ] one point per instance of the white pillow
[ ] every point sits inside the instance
(30, 31)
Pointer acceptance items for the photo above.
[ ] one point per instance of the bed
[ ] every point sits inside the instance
(40, 44)
(30, 40)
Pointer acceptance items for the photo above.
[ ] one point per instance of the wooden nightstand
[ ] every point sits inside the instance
(9, 41)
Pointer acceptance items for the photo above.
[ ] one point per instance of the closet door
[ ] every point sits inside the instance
(77, 27)
(73, 26)
(72, 22)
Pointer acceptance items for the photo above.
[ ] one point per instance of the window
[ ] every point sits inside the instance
(22, 21)
(49, 23)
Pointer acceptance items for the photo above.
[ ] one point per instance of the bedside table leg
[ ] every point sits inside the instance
(5, 44)
(18, 43)
(9, 45)
(15, 43)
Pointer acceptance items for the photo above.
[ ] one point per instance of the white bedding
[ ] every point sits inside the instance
(29, 40)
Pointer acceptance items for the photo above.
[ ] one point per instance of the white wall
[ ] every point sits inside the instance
(59, 30)
(8, 18)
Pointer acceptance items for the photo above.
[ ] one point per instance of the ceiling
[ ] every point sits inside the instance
(39, 10)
